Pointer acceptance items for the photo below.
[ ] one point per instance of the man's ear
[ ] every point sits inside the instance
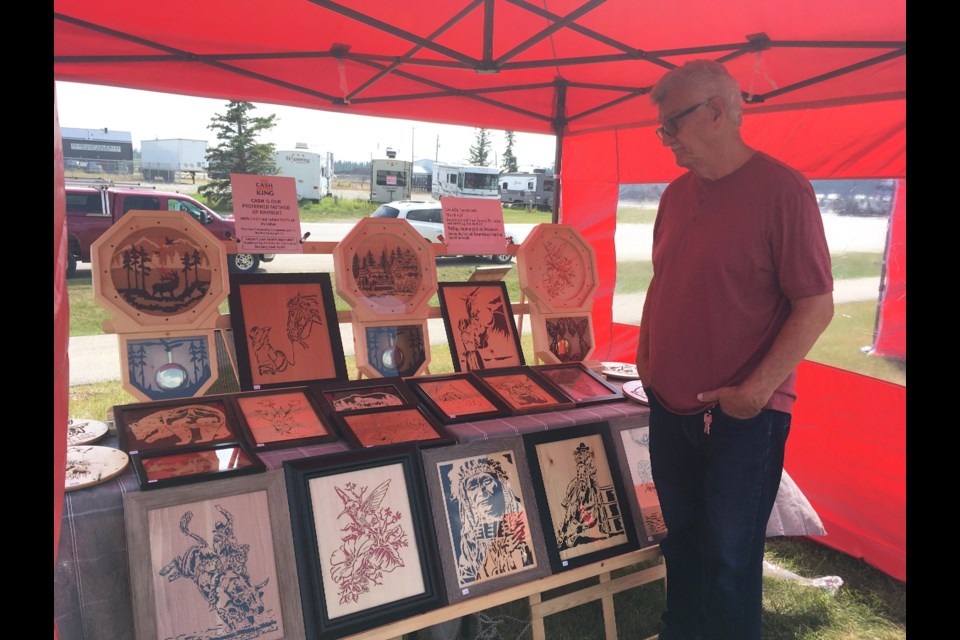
(716, 107)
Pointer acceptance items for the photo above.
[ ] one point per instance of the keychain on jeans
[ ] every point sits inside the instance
(707, 419)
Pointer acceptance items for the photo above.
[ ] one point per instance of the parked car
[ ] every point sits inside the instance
(427, 218)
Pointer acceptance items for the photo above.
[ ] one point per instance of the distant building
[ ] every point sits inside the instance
(97, 150)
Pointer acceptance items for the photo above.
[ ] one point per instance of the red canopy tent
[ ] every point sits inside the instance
(824, 84)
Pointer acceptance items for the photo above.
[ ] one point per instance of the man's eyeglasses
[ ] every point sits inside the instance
(670, 127)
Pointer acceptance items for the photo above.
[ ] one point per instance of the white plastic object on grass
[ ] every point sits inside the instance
(831, 583)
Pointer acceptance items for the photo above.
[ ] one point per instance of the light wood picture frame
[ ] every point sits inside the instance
(584, 508)
(562, 337)
(364, 540)
(581, 385)
(632, 445)
(282, 418)
(286, 330)
(480, 325)
(392, 425)
(485, 515)
(458, 397)
(524, 391)
(217, 556)
(391, 349)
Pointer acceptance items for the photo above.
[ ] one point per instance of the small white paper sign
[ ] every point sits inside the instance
(473, 226)
(266, 212)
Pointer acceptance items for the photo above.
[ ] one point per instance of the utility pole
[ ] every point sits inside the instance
(436, 158)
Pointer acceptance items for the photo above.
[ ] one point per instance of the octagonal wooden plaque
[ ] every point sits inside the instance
(557, 269)
(155, 270)
(162, 365)
(562, 337)
(385, 270)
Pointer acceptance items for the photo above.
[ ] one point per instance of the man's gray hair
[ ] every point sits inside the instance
(706, 77)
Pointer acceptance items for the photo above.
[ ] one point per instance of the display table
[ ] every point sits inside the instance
(92, 596)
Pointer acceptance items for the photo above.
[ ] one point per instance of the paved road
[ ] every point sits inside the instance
(97, 358)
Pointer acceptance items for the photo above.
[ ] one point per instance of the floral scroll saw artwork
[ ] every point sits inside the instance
(286, 329)
(362, 537)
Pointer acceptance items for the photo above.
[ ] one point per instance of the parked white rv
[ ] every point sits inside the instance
(390, 179)
(535, 189)
(312, 171)
(464, 181)
(163, 159)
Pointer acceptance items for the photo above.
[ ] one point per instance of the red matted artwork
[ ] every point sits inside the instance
(480, 326)
(523, 391)
(390, 426)
(182, 468)
(578, 382)
(282, 418)
(458, 397)
(286, 329)
(168, 425)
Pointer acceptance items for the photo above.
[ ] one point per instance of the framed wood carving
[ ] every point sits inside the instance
(364, 540)
(171, 425)
(385, 270)
(480, 325)
(581, 384)
(199, 464)
(632, 445)
(458, 397)
(392, 425)
(168, 364)
(286, 329)
(388, 349)
(159, 270)
(583, 506)
(485, 515)
(282, 418)
(523, 390)
(338, 396)
(562, 337)
(557, 269)
(214, 561)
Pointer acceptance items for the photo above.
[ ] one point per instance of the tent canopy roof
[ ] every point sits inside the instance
(546, 66)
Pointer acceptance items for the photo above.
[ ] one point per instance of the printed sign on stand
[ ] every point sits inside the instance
(266, 213)
(473, 226)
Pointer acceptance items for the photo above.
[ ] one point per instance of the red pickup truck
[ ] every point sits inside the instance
(92, 208)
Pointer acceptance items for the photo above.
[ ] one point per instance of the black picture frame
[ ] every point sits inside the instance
(579, 383)
(524, 391)
(478, 552)
(458, 387)
(347, 396)
(169, 426)
(479, 313)
(266, 355)
(598, 524)
(159, 470)
(271, 419)
(392, 425)
(333, 501)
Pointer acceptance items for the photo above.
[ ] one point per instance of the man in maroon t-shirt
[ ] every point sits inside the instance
(741, 290)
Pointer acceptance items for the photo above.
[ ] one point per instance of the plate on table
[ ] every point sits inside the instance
(634, 391)
(89, 465)
(81, 431)
(620, 370)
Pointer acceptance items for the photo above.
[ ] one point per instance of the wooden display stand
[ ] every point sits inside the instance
(539, 608)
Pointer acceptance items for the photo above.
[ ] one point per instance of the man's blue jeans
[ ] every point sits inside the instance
(716, 490)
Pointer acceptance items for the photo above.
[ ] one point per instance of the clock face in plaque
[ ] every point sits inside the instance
(557, 268)
(385, 269)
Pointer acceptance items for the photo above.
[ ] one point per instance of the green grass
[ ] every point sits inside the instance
(636, 215)
(840, 345)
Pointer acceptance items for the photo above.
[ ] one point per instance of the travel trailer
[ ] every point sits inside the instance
(464, 181)
(313, 171)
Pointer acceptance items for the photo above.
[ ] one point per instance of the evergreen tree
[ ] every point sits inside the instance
(480, 151)
(238, 151)
(509, 164)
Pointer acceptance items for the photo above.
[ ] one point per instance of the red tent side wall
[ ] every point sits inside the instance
(891, 333)
(61, 332)
(861, 495)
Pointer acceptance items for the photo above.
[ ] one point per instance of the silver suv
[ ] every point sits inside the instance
(427, 218)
